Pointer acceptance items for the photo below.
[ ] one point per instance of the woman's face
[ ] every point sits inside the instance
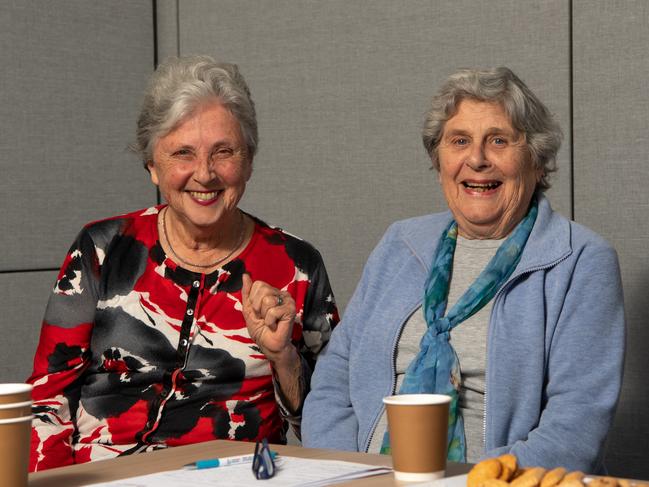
(485, 172)
(201, 167)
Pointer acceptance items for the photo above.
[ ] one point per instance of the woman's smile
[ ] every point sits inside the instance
(482, 188)
(205, 198)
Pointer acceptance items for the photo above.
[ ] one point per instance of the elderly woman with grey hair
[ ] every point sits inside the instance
(501, 303)
(187, 321)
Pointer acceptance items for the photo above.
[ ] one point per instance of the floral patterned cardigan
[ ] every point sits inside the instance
(137, 353)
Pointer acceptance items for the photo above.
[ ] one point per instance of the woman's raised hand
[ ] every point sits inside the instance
(269, 315)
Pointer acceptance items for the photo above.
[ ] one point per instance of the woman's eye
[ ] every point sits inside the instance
(183, 153)
(223, 153)
(499, 141)
(460, 141)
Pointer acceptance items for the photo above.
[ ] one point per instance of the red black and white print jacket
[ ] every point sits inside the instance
(137, 353)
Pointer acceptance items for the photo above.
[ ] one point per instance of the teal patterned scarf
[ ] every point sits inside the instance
(436, 368)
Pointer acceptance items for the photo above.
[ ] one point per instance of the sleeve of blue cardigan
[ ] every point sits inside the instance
(584, 369)
(329, 419)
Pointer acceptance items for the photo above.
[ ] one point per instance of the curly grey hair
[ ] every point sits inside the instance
(178, 86)
(527, 113)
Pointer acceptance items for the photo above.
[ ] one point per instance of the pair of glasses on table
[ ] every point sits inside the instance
(263, 465)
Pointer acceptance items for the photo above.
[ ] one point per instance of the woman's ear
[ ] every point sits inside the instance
(249, 169)
(151, 167)
(435, 168)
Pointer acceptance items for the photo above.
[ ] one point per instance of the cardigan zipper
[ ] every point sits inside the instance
(509, 283)
(395, 345)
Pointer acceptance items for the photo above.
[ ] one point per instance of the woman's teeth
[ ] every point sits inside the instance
(203, 196)
(481, 187)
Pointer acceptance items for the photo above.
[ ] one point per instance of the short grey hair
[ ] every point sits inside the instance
(181, 84)
(526, 112)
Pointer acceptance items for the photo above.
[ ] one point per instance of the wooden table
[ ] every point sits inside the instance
(175, 458)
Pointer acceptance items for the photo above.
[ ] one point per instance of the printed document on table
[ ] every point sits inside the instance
(291, 472)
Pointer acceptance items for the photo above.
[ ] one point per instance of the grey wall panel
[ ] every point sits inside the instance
(23, 300)
(167, 28)
(611, 171)
(70, 87)
(341, 88)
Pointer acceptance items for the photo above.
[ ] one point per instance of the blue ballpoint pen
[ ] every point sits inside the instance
(223, 462)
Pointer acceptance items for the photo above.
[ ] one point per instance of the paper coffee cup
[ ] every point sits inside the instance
(15, 435)
(418, 428)
(10, 393)
(15, 410)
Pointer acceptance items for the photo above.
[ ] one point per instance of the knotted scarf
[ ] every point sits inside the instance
(436, 368)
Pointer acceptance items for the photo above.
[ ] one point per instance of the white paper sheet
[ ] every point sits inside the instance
(457, 481)
(291, 472)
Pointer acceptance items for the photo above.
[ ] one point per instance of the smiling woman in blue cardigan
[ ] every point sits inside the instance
(508, 307)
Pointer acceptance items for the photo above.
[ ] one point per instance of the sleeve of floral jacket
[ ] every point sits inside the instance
(63, 353)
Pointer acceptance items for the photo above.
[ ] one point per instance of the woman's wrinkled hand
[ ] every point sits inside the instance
(269, 315)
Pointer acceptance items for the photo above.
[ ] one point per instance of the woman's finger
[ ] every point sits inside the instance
(278, 328)
(268, 302)
(246, 307)
(276, 314)
(246, 284)
(261, 297)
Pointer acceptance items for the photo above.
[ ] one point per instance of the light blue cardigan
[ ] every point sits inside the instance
(555, 345)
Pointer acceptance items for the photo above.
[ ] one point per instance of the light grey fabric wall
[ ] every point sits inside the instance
(70, 95)
(23, 298)
(71, 81)
(611, 167)
(341, 87)
(167, 28)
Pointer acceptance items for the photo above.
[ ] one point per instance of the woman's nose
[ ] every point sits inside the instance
(476, 158)
(204, 171)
